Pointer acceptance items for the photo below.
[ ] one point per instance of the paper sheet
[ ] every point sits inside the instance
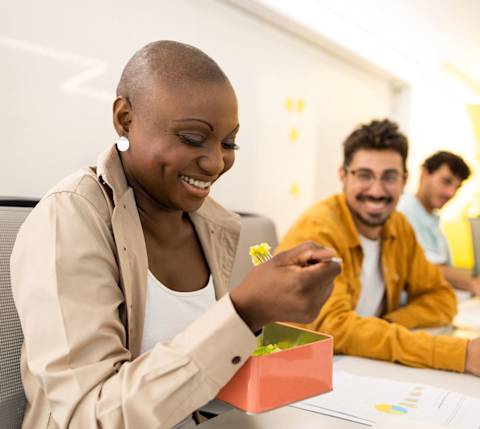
(367, 400)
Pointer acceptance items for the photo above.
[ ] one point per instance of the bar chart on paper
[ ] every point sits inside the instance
(409, 401)
(390, 409)
(367, 400)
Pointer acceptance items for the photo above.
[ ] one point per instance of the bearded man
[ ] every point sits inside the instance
(381, 259)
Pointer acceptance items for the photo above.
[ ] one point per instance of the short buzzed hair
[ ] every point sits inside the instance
(377, 135)
(172, 63)
(456, 164)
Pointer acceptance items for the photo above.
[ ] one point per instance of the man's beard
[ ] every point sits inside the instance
(367, 222)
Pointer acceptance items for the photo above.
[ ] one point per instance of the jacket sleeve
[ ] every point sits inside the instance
(66, 288)
(431, 299)
(373, 337)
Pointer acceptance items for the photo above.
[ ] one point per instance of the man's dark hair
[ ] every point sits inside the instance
(377, 135)
(457, 165)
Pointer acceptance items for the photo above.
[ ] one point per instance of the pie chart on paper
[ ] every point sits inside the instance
(391, 409)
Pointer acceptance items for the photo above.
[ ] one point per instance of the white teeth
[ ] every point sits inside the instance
(197, 183)
(376, 204)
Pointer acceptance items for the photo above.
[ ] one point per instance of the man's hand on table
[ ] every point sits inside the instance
(475, 286)
(472, 362)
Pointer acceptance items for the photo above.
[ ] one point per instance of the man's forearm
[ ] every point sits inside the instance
(457, 278)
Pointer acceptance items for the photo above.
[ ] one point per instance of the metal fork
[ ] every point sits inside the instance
(260, 253)
(265, 258)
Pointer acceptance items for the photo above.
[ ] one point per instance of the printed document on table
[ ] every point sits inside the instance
(367, 399)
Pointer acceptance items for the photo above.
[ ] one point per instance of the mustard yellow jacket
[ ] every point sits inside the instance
(431, 301)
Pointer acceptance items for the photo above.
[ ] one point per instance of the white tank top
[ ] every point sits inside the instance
(168, 312)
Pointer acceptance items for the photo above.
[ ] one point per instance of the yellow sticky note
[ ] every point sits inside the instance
(293, 135)
(295, 190)
(300, 105)
(289, 104)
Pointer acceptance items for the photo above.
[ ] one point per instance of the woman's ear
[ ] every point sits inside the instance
(122, 115)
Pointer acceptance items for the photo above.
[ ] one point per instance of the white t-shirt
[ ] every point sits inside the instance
(371, 301)
(168, 312)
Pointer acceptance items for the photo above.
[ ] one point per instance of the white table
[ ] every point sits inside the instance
(289, 417)
(467, 322)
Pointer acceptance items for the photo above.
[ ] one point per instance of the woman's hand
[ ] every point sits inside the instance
(291, 287)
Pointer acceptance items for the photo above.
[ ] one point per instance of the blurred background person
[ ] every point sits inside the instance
(442, 176)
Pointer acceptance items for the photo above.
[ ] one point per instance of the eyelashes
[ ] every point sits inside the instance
(194, 141)
(197, 141)
(230, 146)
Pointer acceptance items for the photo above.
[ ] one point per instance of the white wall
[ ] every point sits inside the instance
(439, 121)
(61, 61)
(433, 65)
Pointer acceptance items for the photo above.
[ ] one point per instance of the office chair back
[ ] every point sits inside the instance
(255, 229)
(475, 232)
(12, 399)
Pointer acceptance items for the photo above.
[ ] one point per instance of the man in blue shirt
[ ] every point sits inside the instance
(442, 175)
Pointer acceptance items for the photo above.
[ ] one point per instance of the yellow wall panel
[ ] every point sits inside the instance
(460, 242)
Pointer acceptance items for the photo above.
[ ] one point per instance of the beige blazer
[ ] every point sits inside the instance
(79, 276)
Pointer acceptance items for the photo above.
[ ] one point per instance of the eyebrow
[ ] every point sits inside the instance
(388, 170)
(208, 124)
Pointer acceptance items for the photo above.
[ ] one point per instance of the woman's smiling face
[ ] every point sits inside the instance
(182, 140)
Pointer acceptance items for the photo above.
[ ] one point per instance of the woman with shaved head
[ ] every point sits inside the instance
(120, 273)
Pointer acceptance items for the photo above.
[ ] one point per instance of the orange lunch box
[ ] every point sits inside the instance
(303, 368)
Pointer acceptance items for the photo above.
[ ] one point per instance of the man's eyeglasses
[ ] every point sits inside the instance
(368, 177)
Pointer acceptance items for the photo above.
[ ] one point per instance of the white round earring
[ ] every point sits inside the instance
(123, 144)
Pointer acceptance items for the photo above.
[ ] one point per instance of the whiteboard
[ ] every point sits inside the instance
(61, 61)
